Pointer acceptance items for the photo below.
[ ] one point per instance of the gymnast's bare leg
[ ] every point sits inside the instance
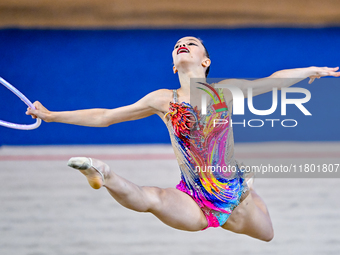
(173, 207)
(251, 218)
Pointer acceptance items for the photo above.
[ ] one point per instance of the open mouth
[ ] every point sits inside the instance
(182, 50)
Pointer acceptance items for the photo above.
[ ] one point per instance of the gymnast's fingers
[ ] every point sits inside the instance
(311, 80)
(331, 68)
(329, 71)
(30, 111)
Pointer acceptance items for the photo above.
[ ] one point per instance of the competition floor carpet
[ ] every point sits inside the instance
(48, 208)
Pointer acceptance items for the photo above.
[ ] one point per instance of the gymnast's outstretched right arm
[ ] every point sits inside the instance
(145, 107)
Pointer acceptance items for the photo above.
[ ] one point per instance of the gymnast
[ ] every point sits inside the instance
(202, 199)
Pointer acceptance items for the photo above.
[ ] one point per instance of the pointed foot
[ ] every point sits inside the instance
(93, 169)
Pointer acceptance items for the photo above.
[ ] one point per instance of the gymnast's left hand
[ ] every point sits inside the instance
(318, 72)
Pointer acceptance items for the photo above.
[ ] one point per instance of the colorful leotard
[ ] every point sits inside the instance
(204, 148)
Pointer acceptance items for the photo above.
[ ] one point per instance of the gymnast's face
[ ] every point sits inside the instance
(189, 52)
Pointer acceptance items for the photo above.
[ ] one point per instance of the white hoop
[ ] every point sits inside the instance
(26, 101)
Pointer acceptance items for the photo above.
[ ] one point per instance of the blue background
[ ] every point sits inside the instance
(79, 69)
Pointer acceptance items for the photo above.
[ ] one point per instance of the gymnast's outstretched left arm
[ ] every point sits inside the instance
(282, 79)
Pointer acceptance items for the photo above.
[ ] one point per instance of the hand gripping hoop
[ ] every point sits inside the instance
(26, 101)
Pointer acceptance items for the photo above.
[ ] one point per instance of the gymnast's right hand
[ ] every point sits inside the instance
(39, 112)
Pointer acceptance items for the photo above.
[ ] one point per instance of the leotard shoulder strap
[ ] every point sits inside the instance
(175, 95)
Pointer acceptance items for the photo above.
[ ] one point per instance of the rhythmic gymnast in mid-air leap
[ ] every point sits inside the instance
(202, 199)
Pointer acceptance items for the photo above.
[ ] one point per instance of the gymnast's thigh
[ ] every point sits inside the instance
(177, 209)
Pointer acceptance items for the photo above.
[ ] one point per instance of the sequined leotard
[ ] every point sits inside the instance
(204, 148)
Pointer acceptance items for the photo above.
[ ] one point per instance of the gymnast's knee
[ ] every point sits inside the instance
(269, 236)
